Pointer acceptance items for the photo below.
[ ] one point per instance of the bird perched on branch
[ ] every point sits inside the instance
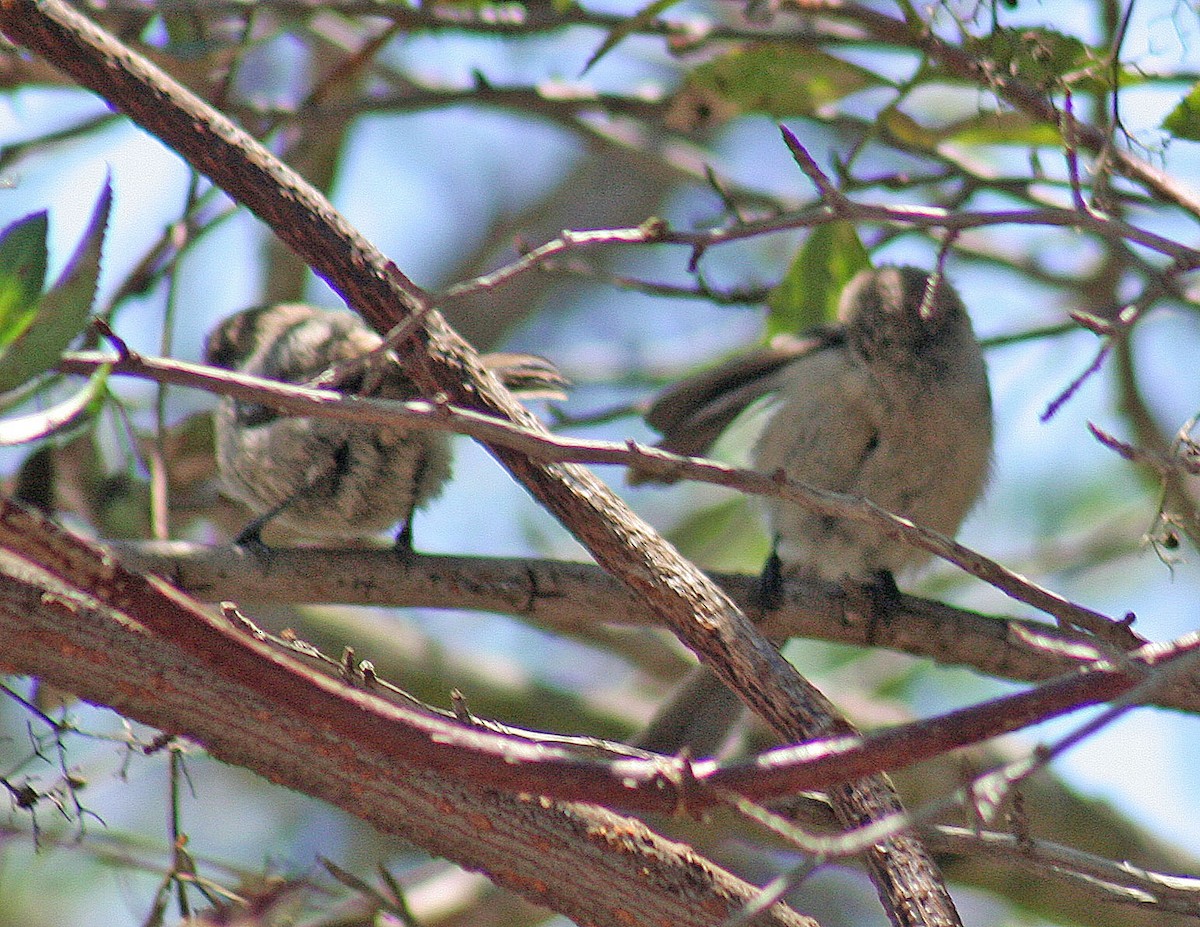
(891, 404)
(320, 477)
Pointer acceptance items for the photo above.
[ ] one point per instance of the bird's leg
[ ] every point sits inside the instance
(769, 594)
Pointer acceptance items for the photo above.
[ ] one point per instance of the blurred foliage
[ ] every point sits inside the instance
(808, 294)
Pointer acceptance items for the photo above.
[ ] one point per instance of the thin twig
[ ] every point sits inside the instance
(550, 448)
(830, 194)
(904, 216)
(1121, 882)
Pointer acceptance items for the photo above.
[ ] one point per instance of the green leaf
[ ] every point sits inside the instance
(984, 128)
(808, 294)
(1184, 120)
(1043, 57)
(22, 429)
(1003, 128)
(63, 311)
(639, 20)
(726, 536)
(778, 80)
(901, 127)
(22, 274)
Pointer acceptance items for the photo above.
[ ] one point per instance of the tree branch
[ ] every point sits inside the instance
(422, 739)
(568, 596)
(908, 882)
(251, 706)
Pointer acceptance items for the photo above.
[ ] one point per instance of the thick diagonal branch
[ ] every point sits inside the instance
(905, 875)
(258, 709)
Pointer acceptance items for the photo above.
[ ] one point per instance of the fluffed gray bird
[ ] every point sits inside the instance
(318, 477)
(891, 403)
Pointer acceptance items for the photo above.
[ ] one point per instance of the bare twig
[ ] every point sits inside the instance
(915, 216)
(1073, 387)
(1121, 882)
(1156, 461)
(830, 194)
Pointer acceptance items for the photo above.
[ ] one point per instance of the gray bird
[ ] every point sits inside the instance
(891, 403)
(318, 477)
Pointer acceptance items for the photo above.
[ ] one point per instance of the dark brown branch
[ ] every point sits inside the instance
(908, 882)
(429, 742)
(256, 708)
(567, 596)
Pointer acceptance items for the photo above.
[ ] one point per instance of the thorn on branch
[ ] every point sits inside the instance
(1067, 125)
(458, 704)
(1074, 385)
(726, 199)
(679, 775)
(1125, 450)
(830, 194)
(234, 616)
(124, 353)
(1162, 463)
(159, 742)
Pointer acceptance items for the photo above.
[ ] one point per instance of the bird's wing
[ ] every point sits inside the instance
(529, 375)
(692, 414)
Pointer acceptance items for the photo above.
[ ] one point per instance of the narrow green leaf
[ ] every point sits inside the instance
(64, 309)
(1003, 128)
(729, 535)
(22, 274)
(22, 429)
(778, 80)
(1184, 120)
(902, 128)
(639, 20)
(808, 294)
